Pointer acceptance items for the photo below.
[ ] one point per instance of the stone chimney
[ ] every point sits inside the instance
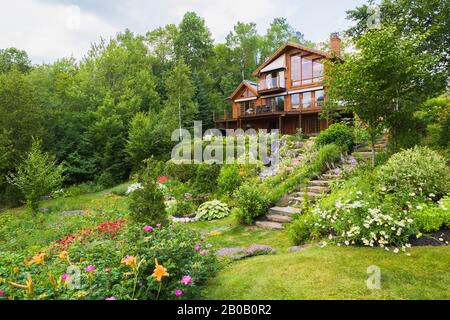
(335, 44)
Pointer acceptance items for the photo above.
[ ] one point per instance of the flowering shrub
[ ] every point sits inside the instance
(364, 221)
(213, 210)
(142, 262)
(417, 173)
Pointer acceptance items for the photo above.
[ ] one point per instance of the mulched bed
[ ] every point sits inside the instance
(432, 239)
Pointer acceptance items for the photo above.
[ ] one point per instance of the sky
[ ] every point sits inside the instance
(53, 29)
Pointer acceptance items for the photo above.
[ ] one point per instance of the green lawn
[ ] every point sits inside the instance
(336, 273)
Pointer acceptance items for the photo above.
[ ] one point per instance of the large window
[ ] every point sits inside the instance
(306, 100)
(276, 104)
(305, 70)
(247, 108)
(312, 99)
(295, 101)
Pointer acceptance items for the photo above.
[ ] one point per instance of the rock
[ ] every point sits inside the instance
(278, 218)
(257, 249)
(269, 225)
(297, 248)
(232, 253)
(75, 212)
(287, 211)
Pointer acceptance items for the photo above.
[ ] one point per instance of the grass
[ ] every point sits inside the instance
(336, 273)
(236, 235)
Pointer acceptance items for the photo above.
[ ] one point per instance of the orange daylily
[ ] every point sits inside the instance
(52, 280)
(29, 286)
(159, 272)
(63, 255)
(39, 259)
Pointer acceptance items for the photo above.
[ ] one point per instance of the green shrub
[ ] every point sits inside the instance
(252, 202)
(83, 188)
(432, 218)
(180, 208)
(107, 180)
(38, 175)
(303, 229)
(147, 204)
(338, 134)
(229, 179)
(181, 172)
(414, 174)
(206, 178)
(213, 210)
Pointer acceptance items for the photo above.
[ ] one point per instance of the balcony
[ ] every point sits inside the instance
(272, 84)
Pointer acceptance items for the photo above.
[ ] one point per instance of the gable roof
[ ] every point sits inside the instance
(280, 51)
(253, 87)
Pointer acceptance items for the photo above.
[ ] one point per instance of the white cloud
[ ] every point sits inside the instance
(50, 31)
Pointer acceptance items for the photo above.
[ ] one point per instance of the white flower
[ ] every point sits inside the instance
(441, 239)
(133, 188)
(432, 195)
(396, 250)
(347, 243)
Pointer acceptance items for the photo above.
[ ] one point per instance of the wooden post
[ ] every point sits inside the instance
(300, 121)
(280, 124)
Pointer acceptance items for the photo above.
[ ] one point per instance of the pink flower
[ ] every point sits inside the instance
(65, 276)
(186, 280)
(111, 298)
(179, 292)
(158, 225)
(148, 228)
(197, 247)
(89, 269)
(203, 252)
(2, 293)
(107, 270)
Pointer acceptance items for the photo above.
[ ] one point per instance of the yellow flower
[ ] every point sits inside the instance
(28, 286)
(130, 261)
(159, 271)
(39, 259)
(63, 255)
(16, 269)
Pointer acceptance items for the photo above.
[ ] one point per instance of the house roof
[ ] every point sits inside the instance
(252, 86)
(280, 51)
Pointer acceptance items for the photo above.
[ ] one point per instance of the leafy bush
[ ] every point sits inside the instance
(213, 210)
(431, 218)
(180, 171)
(83, 188)
(304, 228)
(229, 179)
(180, 208)
(419, 172)
(206, 178)
(146, 204)
(338, 134)
(252, 203)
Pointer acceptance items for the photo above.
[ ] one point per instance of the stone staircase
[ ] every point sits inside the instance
(364, 152)
(292, 204)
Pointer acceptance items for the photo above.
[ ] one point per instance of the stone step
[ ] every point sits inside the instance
(269, 225)
(319, 183)
(278, 218)
(284, 211)
(310, 195)
(330, 176)
(362, 154)
(317, 189)
(297, 200)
